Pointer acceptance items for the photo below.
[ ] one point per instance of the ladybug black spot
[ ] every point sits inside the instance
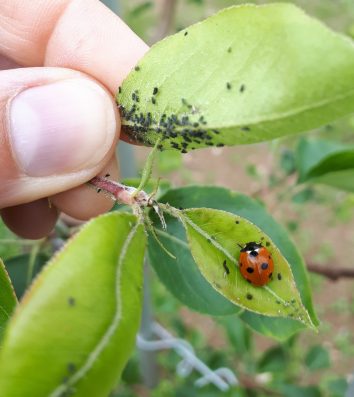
(254, 253)
(249, 296)
(264, 266)
(250, 270)
(279, 276)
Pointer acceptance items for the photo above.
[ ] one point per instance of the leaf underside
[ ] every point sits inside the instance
(247, 74)
(325, 162)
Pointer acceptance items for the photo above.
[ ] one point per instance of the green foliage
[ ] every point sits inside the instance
(317, 358)
(8, 299)
(83, 312)
(326, 162)
(248, 93)
(214, 236)
(22, 270)
(190, 287)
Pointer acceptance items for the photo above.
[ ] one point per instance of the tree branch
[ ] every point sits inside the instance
(333, 273)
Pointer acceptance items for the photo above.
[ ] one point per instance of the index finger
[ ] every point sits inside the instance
(77, 34)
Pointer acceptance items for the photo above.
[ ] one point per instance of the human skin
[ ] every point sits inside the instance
(61, 63)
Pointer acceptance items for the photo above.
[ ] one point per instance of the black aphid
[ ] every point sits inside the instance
(155, 91)
(228, 86)
(249, 296)
(137, 68)
(227, 270)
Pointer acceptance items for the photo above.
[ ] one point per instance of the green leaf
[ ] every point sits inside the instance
(274, 359)
(215, 237)
(303, 391)
(317, 358)
(181, 275)
(184, 279)
(278, 328)
(81, 313)
(8, 299)
(325, 162)
(19, 269)
(247, 74)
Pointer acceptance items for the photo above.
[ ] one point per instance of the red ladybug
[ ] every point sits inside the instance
(256, 264)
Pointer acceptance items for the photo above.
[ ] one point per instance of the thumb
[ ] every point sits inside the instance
(57, 130)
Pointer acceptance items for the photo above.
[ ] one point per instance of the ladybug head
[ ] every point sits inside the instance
(251, 246)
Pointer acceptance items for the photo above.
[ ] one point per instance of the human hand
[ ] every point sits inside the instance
(59, 123)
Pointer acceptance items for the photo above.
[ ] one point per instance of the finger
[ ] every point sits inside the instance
(33, 220)
(58, 129)
(84, 202)
(77, 34)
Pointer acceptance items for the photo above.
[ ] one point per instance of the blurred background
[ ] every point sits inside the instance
(319, 218)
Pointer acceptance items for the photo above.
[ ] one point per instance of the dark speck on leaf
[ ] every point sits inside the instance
(137, 68)
(228, 86)
(229, 49)
(242, 88)
(185, 33)
(155, 91)
(267, 243)
(246, 129)
(249, 296)
(71, 367)
(227, 270)
(209, 241)
(237, 222)
(71, 301)
(279, 276)
(119, 89)
(153, 100)
(220, 145)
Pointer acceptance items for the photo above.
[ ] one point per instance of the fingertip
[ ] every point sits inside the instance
(32, 220)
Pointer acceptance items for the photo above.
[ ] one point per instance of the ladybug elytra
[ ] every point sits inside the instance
(256, 264)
